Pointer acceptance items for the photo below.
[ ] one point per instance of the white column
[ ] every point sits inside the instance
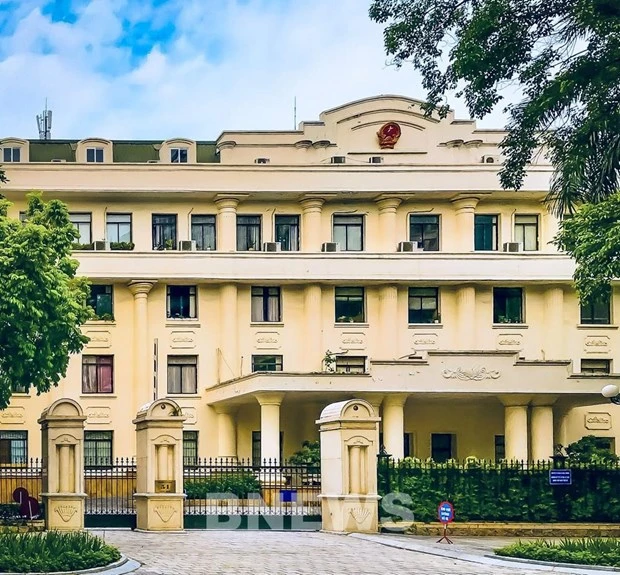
(466, 317)
(270, 425)
(387, 224)
(394, 424)
(553, 343)
(465, 208)
(515, 432)
(542, 432)
(311, 225)
(312, 352)
(226, 224)
(228, 352)
(142, 350)
(226, 432)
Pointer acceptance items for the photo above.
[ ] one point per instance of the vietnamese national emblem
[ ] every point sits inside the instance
(388, 135)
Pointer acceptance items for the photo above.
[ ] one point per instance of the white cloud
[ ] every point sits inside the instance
(326, 53)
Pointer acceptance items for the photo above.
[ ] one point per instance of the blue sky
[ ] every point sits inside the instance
(166, 68)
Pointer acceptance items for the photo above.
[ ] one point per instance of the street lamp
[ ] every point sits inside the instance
(612, 392)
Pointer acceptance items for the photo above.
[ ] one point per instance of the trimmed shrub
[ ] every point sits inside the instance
(239, 484)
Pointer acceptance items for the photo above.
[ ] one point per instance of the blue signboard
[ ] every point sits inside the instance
(560, 477)
(445, 512)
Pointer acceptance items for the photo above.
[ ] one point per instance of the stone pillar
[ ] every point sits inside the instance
(142, 350)
(515, 432)
(394, 424)
(227, 224)
(159, 471)
(62, 439)
(465, 208)
(553, 342)
(349, 499)
(542, 432)
(311, 225)
(312, 353)
(270, 425)
(229, 362)
(226, 432)
(387, 224)
(548, 229)
(466, 317)
(388, 322)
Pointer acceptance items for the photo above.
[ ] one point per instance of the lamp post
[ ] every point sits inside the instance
(611, 392)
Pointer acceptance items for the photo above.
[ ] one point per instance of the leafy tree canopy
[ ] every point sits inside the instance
(309, 454)
(42, 303)
(590, 449)
(564, 56)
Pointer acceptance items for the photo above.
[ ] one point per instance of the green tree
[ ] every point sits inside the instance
(42, 303)
(309, 454)
(590, 449)
(563, 56)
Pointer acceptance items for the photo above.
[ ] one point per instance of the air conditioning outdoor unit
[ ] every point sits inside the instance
(272, 247)
(330, 247)
(491, 160)
(187, 245)
(375, 160)
(338, 159)
(409, 247)
(512, 247)
(101, 246)
(261, 161)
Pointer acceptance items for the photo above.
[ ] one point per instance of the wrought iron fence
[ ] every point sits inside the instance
(28, 475)
(110, 485)
(506, 491)
(237, 487)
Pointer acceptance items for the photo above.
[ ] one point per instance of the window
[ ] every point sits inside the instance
(101, 300)
(118, 228)
(203, 232)
(11, 154)
(349, 304)
(507, 305)
(13, 447)
(266, 363)
(94, 155)
(425, 231)
(500, 447)
(350, 364)
(287, 233)
(190, 448)
(597, 311)
(182, 374)
(485, 233)
(266, 304)
(178, 155)
(181, 302)
(248, 233)
(97, 374)
(595, 366)
(256, 448)
(423, 305)
(442, 447)
(97, 448)
(526, 232)
(164, 231)
(407, 444)
(82, 223)
(349, 232)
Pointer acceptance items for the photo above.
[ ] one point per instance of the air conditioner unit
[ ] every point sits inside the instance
(272, 247)
(261, 161)
(187, 245)
(330, 247)
(58, 160)
(375, 160)
(338, 159)
(491, 160)
(512, 247)
(101, 246)
(152, 161)
(409, 247)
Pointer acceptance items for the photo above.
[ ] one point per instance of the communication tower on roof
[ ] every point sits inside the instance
(44, 121)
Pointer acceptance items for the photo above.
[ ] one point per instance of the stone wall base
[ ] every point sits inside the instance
(159, 511)
(64, 511)
(350, 513)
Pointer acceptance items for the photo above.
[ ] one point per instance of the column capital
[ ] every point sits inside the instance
(373, 398)
(228, 202)
(140, 286)
(395, 399)
(388, 204)
(515, 400)
(312, 204)
(225, 409)
(544, 400)
(465, 203)
(268, 398)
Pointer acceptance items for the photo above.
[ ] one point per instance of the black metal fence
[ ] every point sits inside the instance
(488, 491)
(27, 475)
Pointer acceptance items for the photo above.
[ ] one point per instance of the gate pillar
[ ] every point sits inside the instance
(349, 437)
(159, 466)
(62, 440)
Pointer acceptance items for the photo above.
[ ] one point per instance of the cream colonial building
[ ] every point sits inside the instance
(376, 234)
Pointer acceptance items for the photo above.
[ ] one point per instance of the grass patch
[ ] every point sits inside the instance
(53, 551)
(591, 551)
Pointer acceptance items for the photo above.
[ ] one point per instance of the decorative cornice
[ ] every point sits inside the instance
(472, 374)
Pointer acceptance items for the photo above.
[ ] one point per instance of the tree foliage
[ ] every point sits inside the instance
(42, 303)
(563, 55)
(590, 449)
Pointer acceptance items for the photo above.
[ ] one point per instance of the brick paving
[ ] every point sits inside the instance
(282, 553)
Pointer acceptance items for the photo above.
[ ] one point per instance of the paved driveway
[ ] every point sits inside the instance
(282, 553)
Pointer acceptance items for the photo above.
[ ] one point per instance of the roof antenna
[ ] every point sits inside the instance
(44, 121)
(295, 113)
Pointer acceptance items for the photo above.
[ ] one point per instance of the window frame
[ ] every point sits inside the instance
(118, 225)
(191, 303)
(494, 225)
(203, 228)
(593, 371)
(97, 152)
(437, 309)
(190, 447)
(499, 447)
(263, 293)
(346, 299)
(351, 364)
(293, 229)
(16, 449)
(496, 311)
(524, 226)
(158, 229)
(179, 150)
(590, 307)
(77, 225)
(99, 361)
(452, 447)
(346, 226)
(105, 439)
(240, 224)
(93, 298)
(437, 224)
(190, 361)
(277, 362)
(10, 157)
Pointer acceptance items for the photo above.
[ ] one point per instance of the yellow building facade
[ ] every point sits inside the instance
(371, 254)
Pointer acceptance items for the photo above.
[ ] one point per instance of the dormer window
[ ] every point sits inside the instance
(178, 155)
(94, 155)
(11, 155)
